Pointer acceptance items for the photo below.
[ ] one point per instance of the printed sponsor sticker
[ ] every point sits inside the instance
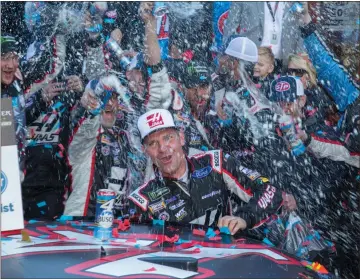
(156, 207)
(164, 216)
(181, 214)
(211, 194)
(154, 195)
(105, 150)
(138, 198)
(176, 206)
(202, 172)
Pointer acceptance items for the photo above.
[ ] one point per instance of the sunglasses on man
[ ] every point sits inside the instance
(295, 72)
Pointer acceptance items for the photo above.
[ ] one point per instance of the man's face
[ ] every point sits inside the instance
(263, 67)
(136, 81)
(289, 108)
(228, 64)
(9, 65)
(294, 108)
(294, 70)
(198, 97)
(108, 116)
(165, 150)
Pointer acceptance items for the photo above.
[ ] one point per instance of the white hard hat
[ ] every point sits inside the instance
(154, 120)
(243, 48)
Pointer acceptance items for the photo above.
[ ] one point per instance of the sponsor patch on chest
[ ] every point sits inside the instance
(177, 205)
(156, 207)
(250, 173)
(181, 214)
(201, 173)
(158, 193)
(211, 194)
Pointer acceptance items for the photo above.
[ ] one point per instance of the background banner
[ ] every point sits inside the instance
(11, 202)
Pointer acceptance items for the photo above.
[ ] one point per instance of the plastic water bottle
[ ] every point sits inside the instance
(288, 130)
(114, 47)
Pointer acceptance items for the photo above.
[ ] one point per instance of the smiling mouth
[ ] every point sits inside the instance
(201, 102)
(166, 159)
(8, 72)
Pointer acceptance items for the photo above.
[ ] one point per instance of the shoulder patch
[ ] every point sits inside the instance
(140, 200)
(216, 159)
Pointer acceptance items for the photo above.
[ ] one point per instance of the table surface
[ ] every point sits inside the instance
(69, 250)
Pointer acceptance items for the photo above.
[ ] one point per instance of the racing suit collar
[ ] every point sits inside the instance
(190, 166)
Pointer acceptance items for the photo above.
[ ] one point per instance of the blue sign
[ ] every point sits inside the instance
(4, 182)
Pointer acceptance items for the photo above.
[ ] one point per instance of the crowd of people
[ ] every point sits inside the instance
(258, 134)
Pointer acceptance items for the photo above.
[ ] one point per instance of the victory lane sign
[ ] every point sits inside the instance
(11, 202)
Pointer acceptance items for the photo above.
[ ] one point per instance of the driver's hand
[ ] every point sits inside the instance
(74, 83)
(233, 223)
(51, 90)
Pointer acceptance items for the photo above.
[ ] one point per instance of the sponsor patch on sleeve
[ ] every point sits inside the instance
(216, 160)
(253, 175)
(139, 200)
(267, 197)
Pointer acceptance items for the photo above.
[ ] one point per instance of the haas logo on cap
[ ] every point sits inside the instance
(282, 86)
(154, 120)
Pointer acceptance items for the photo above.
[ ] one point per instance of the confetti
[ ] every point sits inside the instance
(158, 222)
(150, 269)
(198, 232)
(51, 226)
(41, 204)
(225, 230)
(210, 233)
(215, 238)
(268, 242)
(65, 218)
(115, 232)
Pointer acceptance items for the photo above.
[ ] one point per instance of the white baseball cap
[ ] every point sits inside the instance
(154, 120)
(243, 48)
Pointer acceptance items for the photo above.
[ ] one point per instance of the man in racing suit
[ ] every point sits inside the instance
(114, 155)
(97, 153)
(196, 189)
(331, 199)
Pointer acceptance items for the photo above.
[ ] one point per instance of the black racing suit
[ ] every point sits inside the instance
(46, 169)
(205, 198)
(110, 159)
